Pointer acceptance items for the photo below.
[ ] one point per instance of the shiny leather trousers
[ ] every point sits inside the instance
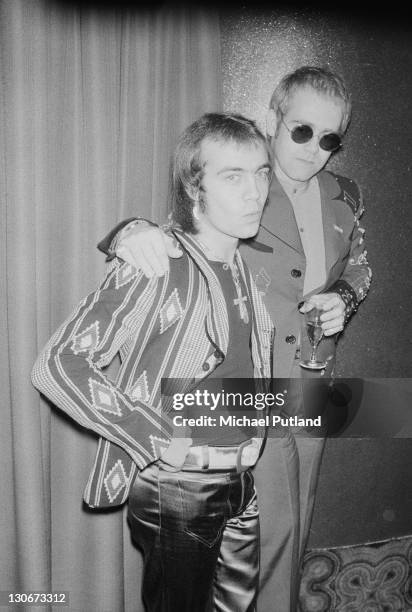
(199, 534)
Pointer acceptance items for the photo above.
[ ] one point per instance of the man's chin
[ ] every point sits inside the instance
(250, 231)
(303, 176)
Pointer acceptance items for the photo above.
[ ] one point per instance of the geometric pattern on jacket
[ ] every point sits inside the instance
(151, 324)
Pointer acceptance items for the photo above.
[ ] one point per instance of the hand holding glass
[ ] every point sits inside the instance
(315, 334)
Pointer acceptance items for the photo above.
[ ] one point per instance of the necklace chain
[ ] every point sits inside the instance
(211, 251)
(240, 300)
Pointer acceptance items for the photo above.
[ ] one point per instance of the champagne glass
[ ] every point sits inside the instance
(315, 334)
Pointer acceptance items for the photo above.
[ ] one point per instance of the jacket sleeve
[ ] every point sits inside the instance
(355, 280)
(70, 370)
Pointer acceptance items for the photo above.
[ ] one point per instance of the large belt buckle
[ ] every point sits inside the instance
(222, 458)
(248, 454)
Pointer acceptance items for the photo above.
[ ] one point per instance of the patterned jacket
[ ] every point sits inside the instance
(174, 326)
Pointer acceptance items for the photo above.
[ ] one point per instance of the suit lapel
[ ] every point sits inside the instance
(217, 320)
(262, 325)
(329, 192)
(279, 219)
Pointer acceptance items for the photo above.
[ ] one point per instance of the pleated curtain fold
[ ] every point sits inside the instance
(92, 102)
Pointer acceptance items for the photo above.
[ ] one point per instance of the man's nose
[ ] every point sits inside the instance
(252, 188)
(312, 146)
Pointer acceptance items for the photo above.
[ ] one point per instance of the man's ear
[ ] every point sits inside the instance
(271, 122)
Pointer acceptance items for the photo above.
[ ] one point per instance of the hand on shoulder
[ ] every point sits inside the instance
(147, 248)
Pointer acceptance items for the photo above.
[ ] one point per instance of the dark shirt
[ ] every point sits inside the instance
(236, 364)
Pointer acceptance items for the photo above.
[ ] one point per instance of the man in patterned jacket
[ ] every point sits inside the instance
(192, 506)
(309, 248)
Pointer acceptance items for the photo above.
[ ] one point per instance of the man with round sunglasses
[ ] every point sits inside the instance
(302, 134)
(309, 249)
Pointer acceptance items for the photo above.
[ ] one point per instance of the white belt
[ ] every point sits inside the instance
(223, 458)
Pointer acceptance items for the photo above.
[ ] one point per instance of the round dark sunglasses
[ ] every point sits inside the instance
(304, 133)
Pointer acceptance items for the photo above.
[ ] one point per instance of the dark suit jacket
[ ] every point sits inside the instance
(277, 262)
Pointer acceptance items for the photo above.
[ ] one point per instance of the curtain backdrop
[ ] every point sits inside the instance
(91, 104)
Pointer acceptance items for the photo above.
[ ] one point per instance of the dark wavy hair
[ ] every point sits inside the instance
(188, 168)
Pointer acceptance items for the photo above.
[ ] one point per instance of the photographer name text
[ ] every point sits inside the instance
(245, 421)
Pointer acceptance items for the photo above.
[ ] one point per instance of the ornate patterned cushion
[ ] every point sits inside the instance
(375, 577)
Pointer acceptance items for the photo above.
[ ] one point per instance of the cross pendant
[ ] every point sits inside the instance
(240, 301)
